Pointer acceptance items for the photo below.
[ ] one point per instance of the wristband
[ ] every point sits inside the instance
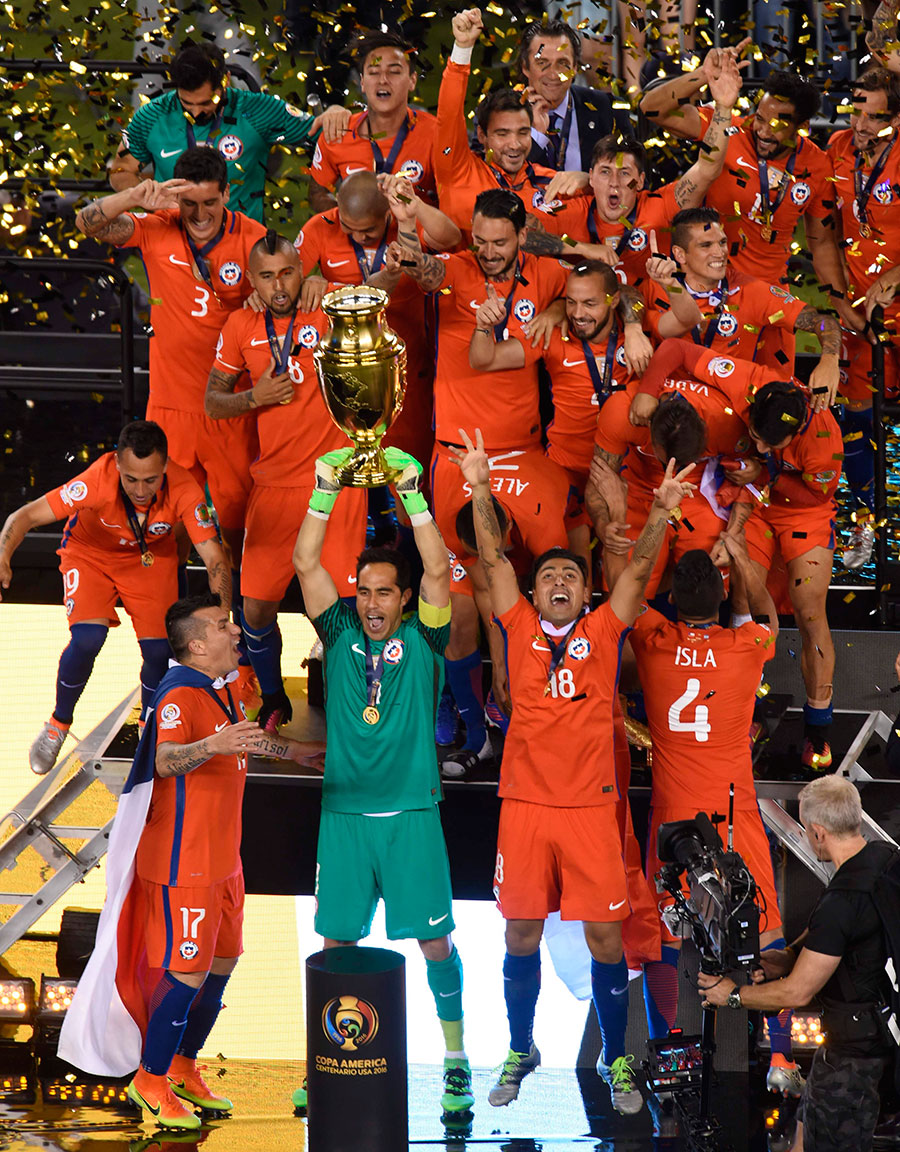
(461, 55)
(417, 519)
(413, 502)
(321, 503)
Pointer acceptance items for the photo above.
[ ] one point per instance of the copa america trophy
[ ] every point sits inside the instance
(361, 366)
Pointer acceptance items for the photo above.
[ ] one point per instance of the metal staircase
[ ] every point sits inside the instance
(44, 855)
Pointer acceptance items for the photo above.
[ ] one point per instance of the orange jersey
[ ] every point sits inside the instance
(737, 197)
(630, 237)
(807, 471)
(736, 311)
(355, 152)
(187, 314)
(867, 257)
(97, 522)
(503, 404)
(291, 436)
(726, 434)
(700, 709)
(192, 836)
(576, 401)
(461, 175)
(578, 696)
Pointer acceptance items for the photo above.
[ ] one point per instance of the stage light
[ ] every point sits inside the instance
(56, 996)
(17, 1001)
(77, 1092)
(806, 1031)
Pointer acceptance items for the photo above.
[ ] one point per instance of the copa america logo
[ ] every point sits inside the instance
(230, 273)
(170, 714)
(721, 366)
(77, 490)
(231, 147)
(349, 1022)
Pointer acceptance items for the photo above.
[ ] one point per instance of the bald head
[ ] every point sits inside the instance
(272, 244)
(359, 195)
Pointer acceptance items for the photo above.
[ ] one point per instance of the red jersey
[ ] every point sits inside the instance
(540, 764)
(322, 241)
(187, 313)
(630, 236)
(737, 310)
(293, 435)
(576, 399)
(807, 472)
(192, 837)
(504, 405)
(867, 257)
(737, 197)
(726, 435)
(355, 152)
(461, 175)
(700, 708)
(98, 522)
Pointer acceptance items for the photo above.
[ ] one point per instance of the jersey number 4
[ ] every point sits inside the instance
(700, 723)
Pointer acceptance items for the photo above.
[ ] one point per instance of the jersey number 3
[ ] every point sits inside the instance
(700, 724)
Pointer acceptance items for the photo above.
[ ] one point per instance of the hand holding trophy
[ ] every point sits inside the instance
(361, 366)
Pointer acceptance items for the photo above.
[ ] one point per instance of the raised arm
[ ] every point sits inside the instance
(435, 586)
(18, 525)
(218, 570)
(826, 376)
(319, 590)
(628, 593)
(125, 169)
(748, 580)
(724, 87)
(671, 105)
(107, 219)
(452, 157)
(173, 759)
(500, 575)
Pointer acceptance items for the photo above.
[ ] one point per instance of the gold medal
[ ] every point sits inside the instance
(147, 559)
(371, 715)
(767, 231)
(864, 230)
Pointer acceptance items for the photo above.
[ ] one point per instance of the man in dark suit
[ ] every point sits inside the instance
(568, 119)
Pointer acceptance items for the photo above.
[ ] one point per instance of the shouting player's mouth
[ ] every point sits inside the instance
(375, 623)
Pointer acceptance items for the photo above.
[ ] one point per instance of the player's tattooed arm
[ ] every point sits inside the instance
(604, 503)
(94, 222)
(178, 759)
(825, 378)
(631, 305)
(540, 242)
(221, 401)
(218, 569)
(822, 325)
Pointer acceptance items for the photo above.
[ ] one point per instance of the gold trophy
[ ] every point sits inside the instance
(361, 366)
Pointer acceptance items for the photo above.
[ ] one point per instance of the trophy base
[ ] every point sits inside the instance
(366, 468)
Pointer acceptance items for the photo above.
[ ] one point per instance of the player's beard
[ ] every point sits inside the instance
(286, 309)
(505, 273)
(595, 331)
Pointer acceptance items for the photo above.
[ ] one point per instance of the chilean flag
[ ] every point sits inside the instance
(103, 1030)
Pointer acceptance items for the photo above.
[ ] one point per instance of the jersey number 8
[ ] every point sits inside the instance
(700, 724)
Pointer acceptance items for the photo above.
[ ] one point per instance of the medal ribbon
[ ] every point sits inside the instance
(558, 651)
(383, 164)
(771, 207)
(281, 353)
(200, 254)
(622, 243)
(864, 191)
(215, 126)
(134, 522)
(711, 328)
(374, 672)
(531, 177)
(602, 384)
(378, 260)
(500, 328)
(559, 140)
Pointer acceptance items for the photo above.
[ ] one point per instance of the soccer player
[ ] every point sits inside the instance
(276, 348)
(532, 486)
(381, 830)
(175, 884)
(349, 243)
(195, 251)
(389, 136)
(801, 452)
(559, 846)
(723, 309)
(774, 175)
(568, 119)
(700, 685)
(204, 108)
(585, 369)
(504, 132)
(867, 176)
(118, 544)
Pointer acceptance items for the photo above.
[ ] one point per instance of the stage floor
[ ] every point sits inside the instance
(558, 1111)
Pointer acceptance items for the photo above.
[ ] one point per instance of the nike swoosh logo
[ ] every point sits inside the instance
(350, 169)
(255, 342)
(166, 155)
(351, 579)
(613, 907)
(356, 648)
(183, 263)
(745, 164)
(338, 263)
(108, 525)
(444, 995)
(476, 304)
(538, 647)
(572, 363)
(224, 724)
(432, 922)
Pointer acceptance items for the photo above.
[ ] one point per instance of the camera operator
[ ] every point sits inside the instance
(840, 959)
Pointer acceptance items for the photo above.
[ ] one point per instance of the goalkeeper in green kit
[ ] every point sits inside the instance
(380, 833)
